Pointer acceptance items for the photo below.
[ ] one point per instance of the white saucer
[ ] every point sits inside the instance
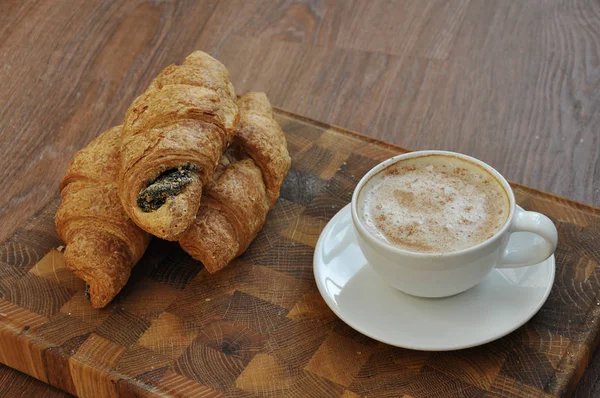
(501, 303)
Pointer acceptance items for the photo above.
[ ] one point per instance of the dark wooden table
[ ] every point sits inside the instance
(514, 83)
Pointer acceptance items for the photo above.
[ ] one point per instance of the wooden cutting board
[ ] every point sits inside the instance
(260, 328)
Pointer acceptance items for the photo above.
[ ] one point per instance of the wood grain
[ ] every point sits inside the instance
(15, 384)
(259, 327)
(514, 83)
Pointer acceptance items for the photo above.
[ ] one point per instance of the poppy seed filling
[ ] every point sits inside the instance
(169, 183)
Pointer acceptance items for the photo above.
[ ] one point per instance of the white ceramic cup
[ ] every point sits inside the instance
(446, 274)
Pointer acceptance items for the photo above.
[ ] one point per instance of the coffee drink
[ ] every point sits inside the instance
(433, 204)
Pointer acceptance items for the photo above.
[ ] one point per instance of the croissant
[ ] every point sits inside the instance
(103, 244)
(245, 187)
(173, 137)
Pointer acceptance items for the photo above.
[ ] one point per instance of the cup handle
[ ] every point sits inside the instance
(539, 224)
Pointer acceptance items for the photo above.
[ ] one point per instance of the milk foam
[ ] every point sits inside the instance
(433, 204)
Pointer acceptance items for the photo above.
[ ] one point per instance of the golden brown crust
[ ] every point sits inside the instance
(260, 135)
(103, 244)
(187, 116)
(235, 205)
(232, 212)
